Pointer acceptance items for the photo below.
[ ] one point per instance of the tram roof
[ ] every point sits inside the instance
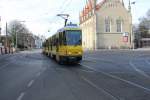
(74, 27)
(69, 28)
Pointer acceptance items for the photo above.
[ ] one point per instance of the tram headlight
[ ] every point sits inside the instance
(69, 53)
(79, 52)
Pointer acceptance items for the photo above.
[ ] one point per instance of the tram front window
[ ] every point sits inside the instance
(73, 37)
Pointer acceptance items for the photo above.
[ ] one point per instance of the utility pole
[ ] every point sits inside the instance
(16, 40)
(0, 37)
(0, 29)
(132, 36)
(65, 17)
(6, 39)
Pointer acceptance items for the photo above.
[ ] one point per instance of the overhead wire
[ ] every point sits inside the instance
(62, 8)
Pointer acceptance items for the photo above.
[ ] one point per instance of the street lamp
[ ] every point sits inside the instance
(133, 36)
(6, 39)
(0, 29)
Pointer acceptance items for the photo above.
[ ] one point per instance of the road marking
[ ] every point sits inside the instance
(138, 70)
(30, 83)
(95, 86)
(5, 65)
(119, 72)
(21, 96)
(88, 71)
(100, 59)
(90, 61)
(118, 78)
(147, 61)
(103, 60)
(38, 74)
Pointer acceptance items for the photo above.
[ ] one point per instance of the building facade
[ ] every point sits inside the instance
(25, 41)
(38, 42)
(106, 25)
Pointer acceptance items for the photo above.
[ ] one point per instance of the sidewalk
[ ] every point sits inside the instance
(142, 49)
(103, 50)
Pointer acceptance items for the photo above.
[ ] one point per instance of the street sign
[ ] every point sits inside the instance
(125, 39)
(125, 34)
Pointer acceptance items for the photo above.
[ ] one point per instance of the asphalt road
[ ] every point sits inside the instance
(102, 75)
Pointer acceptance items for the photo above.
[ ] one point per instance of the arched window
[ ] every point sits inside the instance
(107, 24)
(119, 25)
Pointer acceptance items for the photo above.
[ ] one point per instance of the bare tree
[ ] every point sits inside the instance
(19, 30)
(144, 25)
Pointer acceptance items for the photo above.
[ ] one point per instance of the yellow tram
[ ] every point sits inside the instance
(65, 45)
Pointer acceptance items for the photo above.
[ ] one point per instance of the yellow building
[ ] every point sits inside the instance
(106, 25)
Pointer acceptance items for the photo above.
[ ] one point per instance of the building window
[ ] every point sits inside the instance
(107, 25)
(119, 25)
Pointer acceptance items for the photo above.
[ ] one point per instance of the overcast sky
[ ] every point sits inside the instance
(40, 15)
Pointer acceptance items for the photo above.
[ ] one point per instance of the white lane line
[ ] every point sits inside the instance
(138, 70)
(98, 88)
(30, 83)
(89, 61)
(88, 71)
(21, 96)
(118, 78)
(99, 59)
(147, 61)
(38, 74)
(103, 60)
(5, 65)
(120, 72)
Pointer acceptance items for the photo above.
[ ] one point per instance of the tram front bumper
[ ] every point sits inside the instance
(72, 58)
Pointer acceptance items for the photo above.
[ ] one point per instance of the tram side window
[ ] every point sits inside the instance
(61, 38)
(51, 44)
(55, 41)
(64, 38)
(52, 41)
(46, 43)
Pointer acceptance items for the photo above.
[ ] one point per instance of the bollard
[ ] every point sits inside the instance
(9, 50)
(5, 50)
(1, 50)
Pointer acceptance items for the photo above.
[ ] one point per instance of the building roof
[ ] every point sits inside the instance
(99, 5)
(89, 6)
(69, 28)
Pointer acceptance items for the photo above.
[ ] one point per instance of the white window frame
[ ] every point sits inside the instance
(107, 19)
(120, 26)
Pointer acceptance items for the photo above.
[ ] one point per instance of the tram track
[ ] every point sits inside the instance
(118, 78)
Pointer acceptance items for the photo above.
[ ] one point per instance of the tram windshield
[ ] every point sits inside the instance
(73, 37)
